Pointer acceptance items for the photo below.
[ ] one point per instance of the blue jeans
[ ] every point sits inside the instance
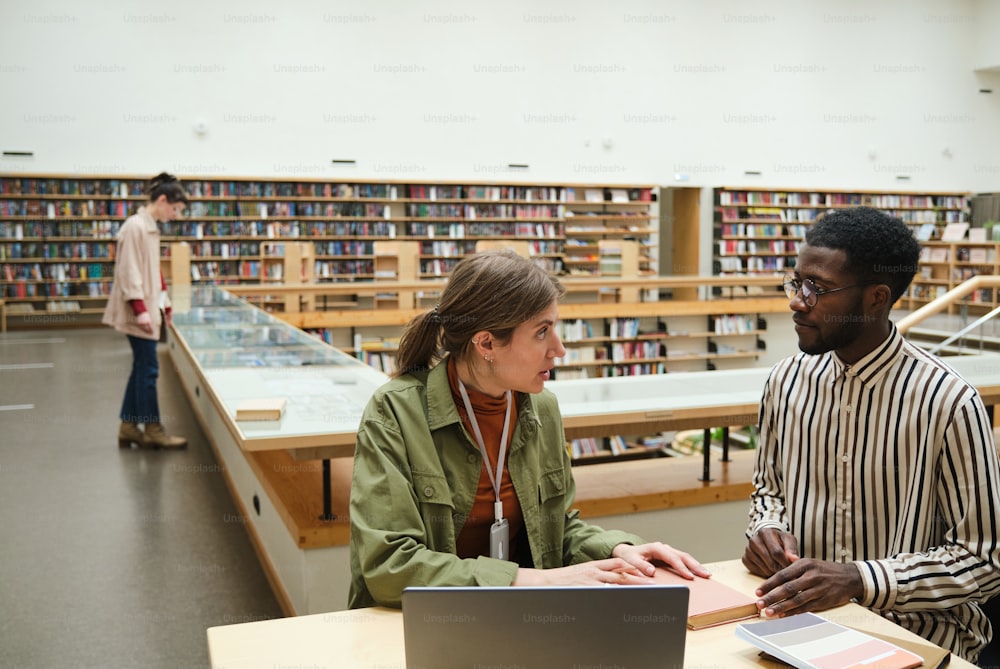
(140, 404)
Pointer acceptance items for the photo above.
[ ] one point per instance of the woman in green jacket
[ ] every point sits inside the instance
(430, 506)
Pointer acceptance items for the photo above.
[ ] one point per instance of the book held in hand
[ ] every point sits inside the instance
(710, 602)
(261, 409)
(809, 641)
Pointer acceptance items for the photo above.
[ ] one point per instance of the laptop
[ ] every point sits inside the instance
(638, 627)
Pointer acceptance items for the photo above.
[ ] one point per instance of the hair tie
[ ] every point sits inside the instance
(435, 315)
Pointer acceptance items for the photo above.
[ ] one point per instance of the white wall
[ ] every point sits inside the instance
(825, 93)
(986, 17)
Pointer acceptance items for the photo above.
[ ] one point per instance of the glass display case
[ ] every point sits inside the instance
(247, 355)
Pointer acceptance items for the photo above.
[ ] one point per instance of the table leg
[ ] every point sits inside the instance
(327, 493)
(706, 452)
(725, 444)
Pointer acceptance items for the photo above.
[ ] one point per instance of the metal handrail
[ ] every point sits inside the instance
(968, 328)
(941, 303)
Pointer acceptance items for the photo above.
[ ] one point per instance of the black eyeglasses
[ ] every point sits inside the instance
(810, 293)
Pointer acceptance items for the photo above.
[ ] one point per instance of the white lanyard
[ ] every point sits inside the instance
(497, 479)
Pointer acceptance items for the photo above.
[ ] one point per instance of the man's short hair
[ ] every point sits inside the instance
(879, 247)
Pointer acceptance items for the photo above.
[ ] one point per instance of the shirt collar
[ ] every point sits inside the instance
(877, 362)
(148, 222)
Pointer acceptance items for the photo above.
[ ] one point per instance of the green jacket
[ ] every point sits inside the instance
(416, 470)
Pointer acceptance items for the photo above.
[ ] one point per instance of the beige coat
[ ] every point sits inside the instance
(137, 276)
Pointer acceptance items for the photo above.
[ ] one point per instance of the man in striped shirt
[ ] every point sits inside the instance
(876, 478)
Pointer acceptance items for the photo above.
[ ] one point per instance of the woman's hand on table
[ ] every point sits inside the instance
(613, 571)
(644, 557)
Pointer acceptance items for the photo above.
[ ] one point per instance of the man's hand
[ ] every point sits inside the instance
(809, 585)
(769, 551)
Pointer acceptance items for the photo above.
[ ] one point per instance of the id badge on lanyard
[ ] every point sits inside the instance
(500, 529)
(500, 539)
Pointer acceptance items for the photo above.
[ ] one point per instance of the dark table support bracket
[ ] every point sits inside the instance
(706, 452)
(327, 493)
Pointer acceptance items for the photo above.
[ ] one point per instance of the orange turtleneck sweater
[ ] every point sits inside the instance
(474, 538)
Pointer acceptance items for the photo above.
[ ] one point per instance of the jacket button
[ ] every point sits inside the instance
(471, 457)
(558, 484)
(428, 491)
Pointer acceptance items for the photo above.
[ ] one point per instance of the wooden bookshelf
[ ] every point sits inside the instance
(601, 339)
(518, 246)
(57, 231)
(760, 230)
(175, 263)
(945, 265)
(396, 261)
(57, 243)
(602, 345)
(619, 258)
(595, 214)
(287, 263)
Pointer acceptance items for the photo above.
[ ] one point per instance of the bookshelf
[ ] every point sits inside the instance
(175, 263)
(57, 231)
(760, 230)
(396, 261)
(596, 214)
(619, 258)
(604, 347)
(287, 263)
(518, 246)
(945, 265)
(57, 242)
(601, 339)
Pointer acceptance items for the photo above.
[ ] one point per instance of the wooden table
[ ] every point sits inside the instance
(373, 638)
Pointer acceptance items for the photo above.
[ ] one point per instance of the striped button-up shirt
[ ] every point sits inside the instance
(889, 463)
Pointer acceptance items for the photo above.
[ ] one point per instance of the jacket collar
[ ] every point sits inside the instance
(148, 222)
(441, 409)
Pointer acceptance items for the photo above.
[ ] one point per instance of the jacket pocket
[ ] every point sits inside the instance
(551, 486)
(436, 504)
(552, 515)
(432, 489)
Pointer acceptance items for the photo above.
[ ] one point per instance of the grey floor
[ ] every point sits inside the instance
(109, 558)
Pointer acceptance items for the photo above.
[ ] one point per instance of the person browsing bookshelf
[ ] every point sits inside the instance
(876, 478)
(139, 308)
(461, 472)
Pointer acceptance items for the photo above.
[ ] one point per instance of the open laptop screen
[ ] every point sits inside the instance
(634, 627)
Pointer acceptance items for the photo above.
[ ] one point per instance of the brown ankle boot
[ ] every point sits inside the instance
(157, 437)
(128, 434)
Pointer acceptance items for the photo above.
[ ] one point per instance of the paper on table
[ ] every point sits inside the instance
(809, 641)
